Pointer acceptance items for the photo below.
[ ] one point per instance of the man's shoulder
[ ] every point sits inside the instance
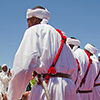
(79, 50)
(39, 27)
(2, 73)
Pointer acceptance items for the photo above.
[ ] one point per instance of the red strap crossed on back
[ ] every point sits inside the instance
(90, 61)
(78, 70)
(78, 65)
(52, 69)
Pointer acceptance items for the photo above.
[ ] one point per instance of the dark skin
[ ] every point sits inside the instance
(99, 58)
(71, 46)
(5, 97)
(5, 68)
(33, 21)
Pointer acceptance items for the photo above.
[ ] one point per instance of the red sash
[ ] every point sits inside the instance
(78, 70)
(90, 61)
(52, 69)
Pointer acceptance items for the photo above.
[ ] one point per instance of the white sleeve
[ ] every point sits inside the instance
(22, 68)
(4, 78)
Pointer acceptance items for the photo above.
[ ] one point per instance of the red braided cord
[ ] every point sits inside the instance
(90, 61)
(52, 69)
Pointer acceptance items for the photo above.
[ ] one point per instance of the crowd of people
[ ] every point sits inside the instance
(60, 69)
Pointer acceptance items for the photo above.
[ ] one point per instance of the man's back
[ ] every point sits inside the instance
(37, 52)
(90, 77)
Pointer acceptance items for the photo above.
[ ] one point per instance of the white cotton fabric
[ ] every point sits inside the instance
(73, 41)
(3, 65)
(37, 51)
(4, 80)
(89, 82)
(96, 90)
(94, 58)
(91, 48)
(39, 13)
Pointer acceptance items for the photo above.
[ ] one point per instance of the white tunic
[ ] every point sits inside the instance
(89, 82)
(37, 52)
(96, 89)
(4, 79)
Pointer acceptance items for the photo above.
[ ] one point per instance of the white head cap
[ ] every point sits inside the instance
(73, 41)
(98, 54)
(39, 13)
(3, 65)
(91, 48)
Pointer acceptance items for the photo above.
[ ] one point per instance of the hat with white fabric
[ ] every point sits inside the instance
(3, 65)
(75, 42)
(98, 54)
(43, 14)
(91, 48)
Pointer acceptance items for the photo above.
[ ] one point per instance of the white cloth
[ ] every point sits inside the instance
(39, 13)
(89, 82)
(37, 52)
(43, 14)
(4, 80)
(91, 48)
(3, 65)
(73, 41)
(94, 58)
(96, 90)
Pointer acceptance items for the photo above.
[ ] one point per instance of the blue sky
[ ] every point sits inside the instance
(78, 18)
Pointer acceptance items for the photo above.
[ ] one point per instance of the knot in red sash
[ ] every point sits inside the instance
(50, 71)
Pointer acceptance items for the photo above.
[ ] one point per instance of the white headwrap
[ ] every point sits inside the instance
(73, 41)
(39, 13)
(3, 65)
(98, 54)
(91, 48)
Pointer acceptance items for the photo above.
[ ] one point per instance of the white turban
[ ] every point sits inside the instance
(98, 54)
(73, 41)
(3, 65)
(39, 13)
(91, 48)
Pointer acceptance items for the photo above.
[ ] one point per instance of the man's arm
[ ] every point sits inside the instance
(26, 55)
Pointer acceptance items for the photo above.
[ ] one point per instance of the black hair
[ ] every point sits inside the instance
(38, 7)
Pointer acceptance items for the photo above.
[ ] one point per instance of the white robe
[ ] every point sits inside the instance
(4, 80)
(37, 51)
(96, 89)
(89, 82)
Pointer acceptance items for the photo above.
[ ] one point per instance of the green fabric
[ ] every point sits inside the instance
(32, 82)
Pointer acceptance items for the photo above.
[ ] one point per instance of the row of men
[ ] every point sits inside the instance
(88, 79)
(47, 52)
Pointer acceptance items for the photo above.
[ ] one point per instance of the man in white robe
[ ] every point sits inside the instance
(83, 57)
(37, 52)
(74, 45)
(96, 89)
(4, 80)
